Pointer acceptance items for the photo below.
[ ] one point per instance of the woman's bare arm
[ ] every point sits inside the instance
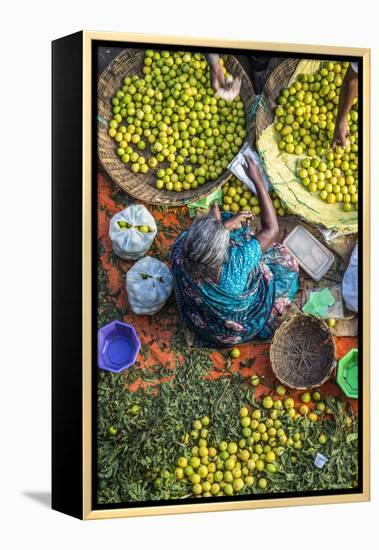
(269, 231)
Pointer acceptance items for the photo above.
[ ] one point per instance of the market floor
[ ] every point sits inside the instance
(161, 333)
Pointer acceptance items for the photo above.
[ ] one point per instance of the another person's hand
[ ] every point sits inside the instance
(341, 133)
(217, 76)
(225, 89)
(230, 89)
(348, 93)
(238, 220)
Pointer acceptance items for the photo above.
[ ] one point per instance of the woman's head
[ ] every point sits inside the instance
(205, 247)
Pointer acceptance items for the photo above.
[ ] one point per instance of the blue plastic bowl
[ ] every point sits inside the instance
(118, 346)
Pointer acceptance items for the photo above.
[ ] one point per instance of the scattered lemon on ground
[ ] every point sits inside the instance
(235, 353)
(254, 380)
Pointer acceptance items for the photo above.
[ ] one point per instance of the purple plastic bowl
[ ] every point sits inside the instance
(118, 346)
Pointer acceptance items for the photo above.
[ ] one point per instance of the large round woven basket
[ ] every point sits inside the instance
(142, 186)
(302, 352)
(278, 79)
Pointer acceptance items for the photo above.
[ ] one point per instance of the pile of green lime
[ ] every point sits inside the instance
(190, 425)
(188, 134)
(237, 196)
(268, 431)
(305, 120)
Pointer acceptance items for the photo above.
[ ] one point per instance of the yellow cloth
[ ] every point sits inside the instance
(281, 169)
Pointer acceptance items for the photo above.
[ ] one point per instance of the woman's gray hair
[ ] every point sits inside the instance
(205, 248)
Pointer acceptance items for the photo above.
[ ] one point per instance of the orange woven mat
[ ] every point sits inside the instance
(156, 332)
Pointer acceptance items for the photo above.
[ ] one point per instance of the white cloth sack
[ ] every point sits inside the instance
(131, 244)
(148, 284)
(350, 282)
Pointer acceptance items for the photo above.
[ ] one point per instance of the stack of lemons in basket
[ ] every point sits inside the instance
(171, 122)
(305, 119)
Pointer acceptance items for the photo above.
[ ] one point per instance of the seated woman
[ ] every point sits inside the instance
(231, 285)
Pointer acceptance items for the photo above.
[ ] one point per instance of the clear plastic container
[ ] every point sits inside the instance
(312, 256)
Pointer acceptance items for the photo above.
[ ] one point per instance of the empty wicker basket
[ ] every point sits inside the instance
(302, 352)
(142, 186)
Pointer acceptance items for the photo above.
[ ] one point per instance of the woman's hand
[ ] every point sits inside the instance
(238, 220)
(215, 212)
(253, 171)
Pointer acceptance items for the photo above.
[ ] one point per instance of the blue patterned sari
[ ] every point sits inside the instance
(252, 290)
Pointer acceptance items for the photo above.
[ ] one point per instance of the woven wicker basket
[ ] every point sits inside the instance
(302, 352)
(142, 186)
(278, 79)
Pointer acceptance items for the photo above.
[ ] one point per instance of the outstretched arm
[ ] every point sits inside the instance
(269, 231)
(348, 93)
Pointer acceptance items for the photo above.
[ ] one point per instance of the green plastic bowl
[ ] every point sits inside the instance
(347, 374)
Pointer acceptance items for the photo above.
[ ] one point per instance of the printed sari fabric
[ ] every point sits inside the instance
(252, 290)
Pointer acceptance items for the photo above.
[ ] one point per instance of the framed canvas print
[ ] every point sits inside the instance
(210, 275)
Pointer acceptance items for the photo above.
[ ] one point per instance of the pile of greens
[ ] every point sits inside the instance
(141, 434)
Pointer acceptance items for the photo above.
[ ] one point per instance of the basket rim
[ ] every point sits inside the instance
(278, 333)
(273, 77)
(179, 202)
